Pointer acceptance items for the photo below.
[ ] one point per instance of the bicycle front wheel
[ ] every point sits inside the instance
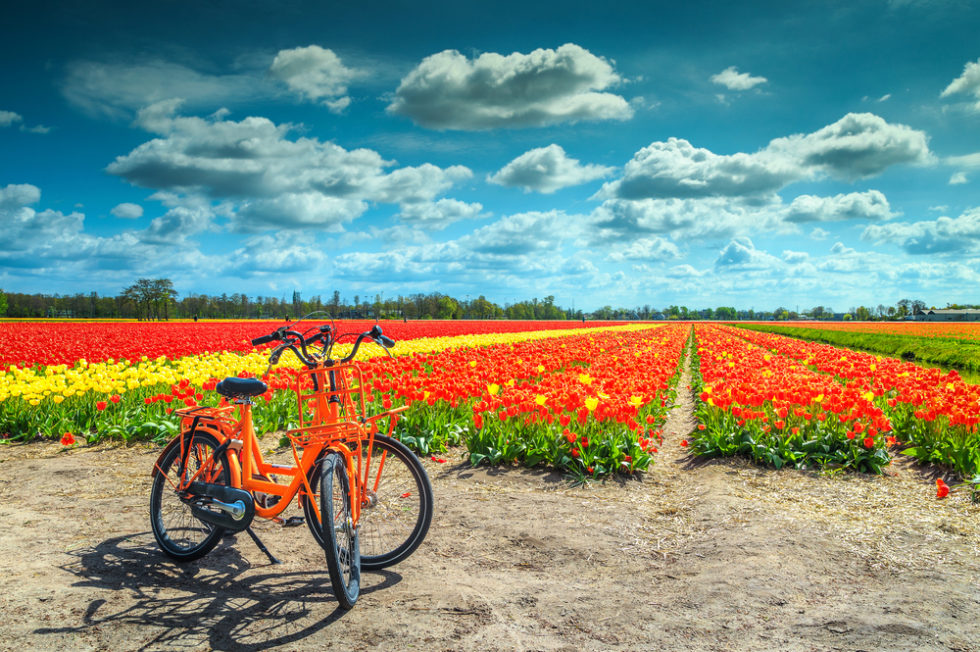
(339, 535)
(396, 508)
(180, 534)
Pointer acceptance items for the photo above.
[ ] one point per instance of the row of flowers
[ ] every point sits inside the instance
(589, 405)
(26, 344)
(24, 388)
(779, 412)
(934, 411)
(588, 401)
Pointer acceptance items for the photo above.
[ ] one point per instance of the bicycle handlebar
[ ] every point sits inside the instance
(265, 339)
(374, 335)
(295, 341)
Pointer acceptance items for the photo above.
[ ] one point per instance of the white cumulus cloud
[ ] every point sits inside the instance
(523, 233)
(619, 219)
(272, 179)
(517, 253)
(967, 83)
(297, 210)
(547, 169)
(734, 80)
(17, 195)
(678, 169)
(439, 214)
(856, 146)
(128, 211)
(278, 253)
(740, 253)
(966, 160)
(545, 87)
(8, 118)
(870, 205)
(939, 236)
(795, 257)
(653, 249)
(315, 73)
(30, 236)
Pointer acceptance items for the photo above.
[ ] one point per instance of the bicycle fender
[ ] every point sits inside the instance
(166, 449)
(176, 442)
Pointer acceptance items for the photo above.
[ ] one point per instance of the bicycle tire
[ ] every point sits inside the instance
(341, 538)
(397, 517)
(181, 535)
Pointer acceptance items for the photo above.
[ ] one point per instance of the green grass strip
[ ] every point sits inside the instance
(955, 354)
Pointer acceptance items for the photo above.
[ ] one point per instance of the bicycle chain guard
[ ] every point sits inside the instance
(222, 506)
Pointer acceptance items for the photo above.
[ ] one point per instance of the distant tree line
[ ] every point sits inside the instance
(156, 299)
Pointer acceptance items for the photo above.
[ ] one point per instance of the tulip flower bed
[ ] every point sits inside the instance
(26, 344)
(589, 405)
(599, 415)
(933, 410)
(612, 381)
(779, 412)
(123, 399)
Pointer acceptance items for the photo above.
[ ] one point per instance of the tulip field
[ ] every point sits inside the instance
(588, 400)
(782, 400)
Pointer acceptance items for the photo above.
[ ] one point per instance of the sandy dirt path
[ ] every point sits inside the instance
(694, 556)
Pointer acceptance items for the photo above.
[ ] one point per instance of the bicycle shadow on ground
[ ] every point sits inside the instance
(465, 471)
(213, 601)
(536, 476)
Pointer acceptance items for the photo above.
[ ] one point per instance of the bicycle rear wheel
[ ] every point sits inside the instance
(397, 508)
(180, 534)
(340, 536)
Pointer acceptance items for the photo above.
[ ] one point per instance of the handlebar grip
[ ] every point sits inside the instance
(264, 339)
(386, 341)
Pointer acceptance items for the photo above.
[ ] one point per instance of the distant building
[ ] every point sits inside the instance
(965, 314)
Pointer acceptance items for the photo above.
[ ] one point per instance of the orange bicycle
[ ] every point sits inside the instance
(365, 496)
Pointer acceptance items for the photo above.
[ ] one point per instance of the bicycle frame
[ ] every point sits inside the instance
(336, 422)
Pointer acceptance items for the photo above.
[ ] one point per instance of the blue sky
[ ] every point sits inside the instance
(624, 153)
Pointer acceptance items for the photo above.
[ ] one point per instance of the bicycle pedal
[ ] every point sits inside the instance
(293, 521)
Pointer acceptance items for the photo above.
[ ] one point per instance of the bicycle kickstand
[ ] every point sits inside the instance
(261, 546)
